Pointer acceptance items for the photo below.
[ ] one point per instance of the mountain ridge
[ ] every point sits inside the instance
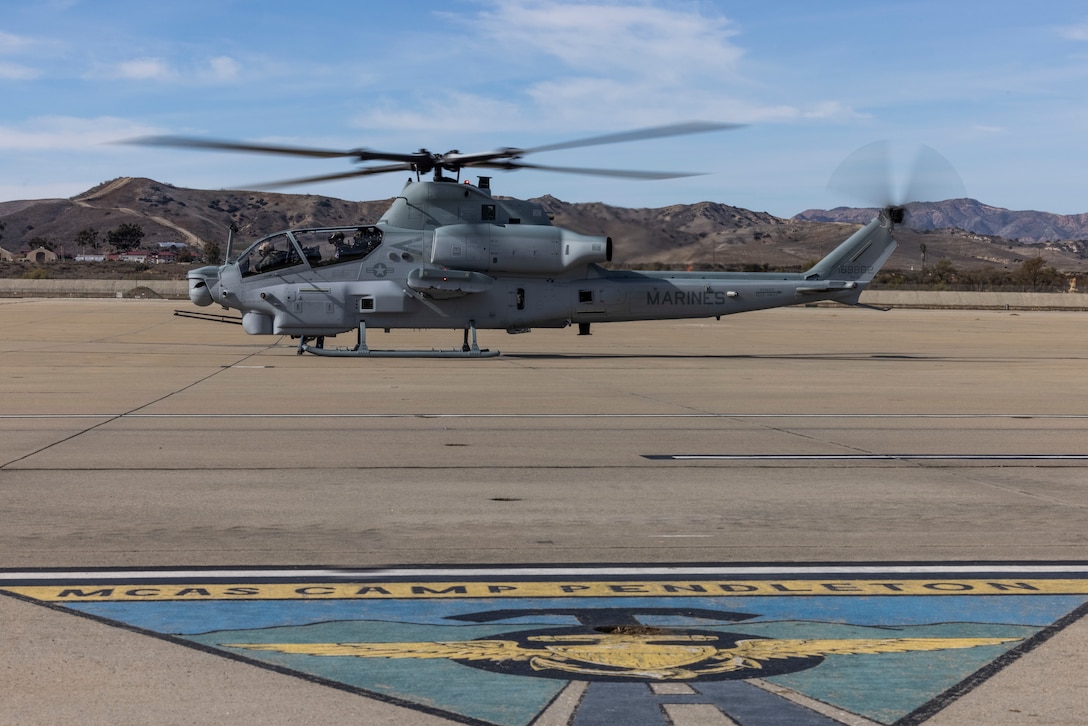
(973, 216)
(704, 234)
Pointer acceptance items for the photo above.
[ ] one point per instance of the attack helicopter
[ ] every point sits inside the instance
(452, 255)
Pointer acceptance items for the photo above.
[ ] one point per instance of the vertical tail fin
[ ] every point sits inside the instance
(861, 256)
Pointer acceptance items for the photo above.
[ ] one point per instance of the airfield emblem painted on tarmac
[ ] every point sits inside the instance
(506, 646)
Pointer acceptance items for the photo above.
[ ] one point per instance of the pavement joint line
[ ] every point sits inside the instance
(115, 417)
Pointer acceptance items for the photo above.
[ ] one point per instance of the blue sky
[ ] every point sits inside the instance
(999, 88)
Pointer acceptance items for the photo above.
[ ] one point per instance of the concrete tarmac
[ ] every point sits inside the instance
(133, 438)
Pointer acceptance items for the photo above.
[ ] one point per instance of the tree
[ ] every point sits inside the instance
(942, 275)
(125, 237)
(2, 225)
(212, 252)
(1037, 275)
(87, 238)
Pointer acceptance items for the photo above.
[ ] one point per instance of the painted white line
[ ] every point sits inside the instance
(867, 457)
(843, 717)
(696, 714)
(563, 707)
(677, 536)
(1077, 568)
(886, 416)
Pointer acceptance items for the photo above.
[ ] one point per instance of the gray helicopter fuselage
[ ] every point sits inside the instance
(450, 255)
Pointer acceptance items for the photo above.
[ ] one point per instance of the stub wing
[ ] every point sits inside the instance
(444, 284)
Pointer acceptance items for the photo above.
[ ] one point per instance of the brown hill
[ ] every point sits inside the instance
(719, 235)
(170, 214)
(677, 236)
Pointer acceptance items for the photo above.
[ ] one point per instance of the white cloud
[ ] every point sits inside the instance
(452, 111)
(143, 69)
(643, 62)
(833, 110)
(52, 133)
(560, 64)
(224, 68)
(17, 72)
(632, 39)
(1074, 32)
(10, 43)
(219, 69)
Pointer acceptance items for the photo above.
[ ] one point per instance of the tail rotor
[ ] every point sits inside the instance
(866, 176)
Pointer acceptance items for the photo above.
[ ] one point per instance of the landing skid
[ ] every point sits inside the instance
(468, 349)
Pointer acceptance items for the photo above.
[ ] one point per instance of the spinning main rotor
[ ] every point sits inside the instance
(425, 162)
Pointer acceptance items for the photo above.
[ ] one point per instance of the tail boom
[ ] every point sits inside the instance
(841, 276)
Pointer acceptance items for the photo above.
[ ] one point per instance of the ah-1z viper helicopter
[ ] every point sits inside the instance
(451, 255)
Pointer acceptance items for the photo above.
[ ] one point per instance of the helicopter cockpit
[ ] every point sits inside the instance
(317, 247)
(276, 252)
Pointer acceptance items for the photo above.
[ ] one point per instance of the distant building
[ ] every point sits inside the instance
(6, 256)
(40, 255)
(147, 257)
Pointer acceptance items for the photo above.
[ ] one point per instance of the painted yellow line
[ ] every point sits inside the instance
(72, 593)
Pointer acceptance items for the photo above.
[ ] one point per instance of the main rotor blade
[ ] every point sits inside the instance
(185, 142)
(621, 173)
(423, 161)
(653, 132)
(367, 171)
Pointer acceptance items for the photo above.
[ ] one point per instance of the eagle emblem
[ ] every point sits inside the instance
(650, 656)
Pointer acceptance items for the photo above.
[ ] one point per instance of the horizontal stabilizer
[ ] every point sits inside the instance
(828, 287)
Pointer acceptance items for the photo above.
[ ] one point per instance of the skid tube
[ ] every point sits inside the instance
(468, 350)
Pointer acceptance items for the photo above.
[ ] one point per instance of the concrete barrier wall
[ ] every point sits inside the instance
(895, 298)
(94, 288)
(984, 300)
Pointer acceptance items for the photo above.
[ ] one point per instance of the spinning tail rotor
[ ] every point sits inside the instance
(866, 176)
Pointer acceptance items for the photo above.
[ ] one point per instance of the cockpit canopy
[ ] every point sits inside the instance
(315, 247)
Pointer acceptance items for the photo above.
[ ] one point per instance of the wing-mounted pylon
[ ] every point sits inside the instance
(444, 284)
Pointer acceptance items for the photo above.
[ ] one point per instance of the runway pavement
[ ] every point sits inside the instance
(130, 439)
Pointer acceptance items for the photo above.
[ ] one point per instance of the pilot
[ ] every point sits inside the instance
(337, 241)
(368, 238)
(269, 257)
